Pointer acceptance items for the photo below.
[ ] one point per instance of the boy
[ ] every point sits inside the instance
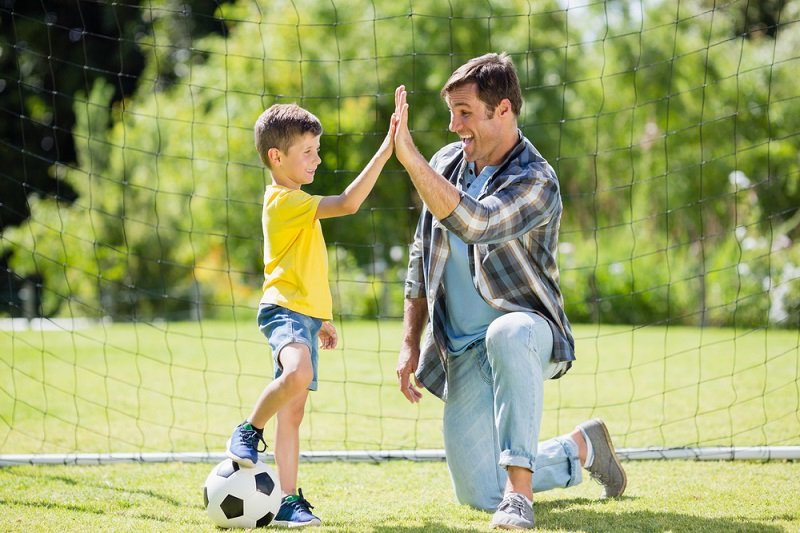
(296, 308)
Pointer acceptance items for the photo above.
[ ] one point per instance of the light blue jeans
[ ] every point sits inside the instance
(494, 410)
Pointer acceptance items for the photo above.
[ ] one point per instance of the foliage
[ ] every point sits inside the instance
(49, 50)
(671, 134)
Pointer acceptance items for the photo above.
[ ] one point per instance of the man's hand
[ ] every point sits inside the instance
(407, 363)
(327, 336)
(404, 147)
(439, 195)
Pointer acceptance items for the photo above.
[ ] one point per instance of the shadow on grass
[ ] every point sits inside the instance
(555, 515)
(85, 484)
(73, 510)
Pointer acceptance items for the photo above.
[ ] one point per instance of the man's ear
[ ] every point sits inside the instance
(504, 107)
(274, 155)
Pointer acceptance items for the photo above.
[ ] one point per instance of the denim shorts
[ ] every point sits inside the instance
(282, 326)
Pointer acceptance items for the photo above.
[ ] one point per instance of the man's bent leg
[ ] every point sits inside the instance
(557, 464)
(470, 438)
(518, 348)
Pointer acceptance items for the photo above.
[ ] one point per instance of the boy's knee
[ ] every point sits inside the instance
(298, 378)
(296, 368)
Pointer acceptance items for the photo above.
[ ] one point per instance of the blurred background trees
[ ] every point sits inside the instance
(674, 131)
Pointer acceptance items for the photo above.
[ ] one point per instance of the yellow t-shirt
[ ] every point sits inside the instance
(295, 256)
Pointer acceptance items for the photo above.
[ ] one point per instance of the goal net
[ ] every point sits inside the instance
(131, 247)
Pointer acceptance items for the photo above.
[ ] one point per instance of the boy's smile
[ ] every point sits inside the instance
(297, 166)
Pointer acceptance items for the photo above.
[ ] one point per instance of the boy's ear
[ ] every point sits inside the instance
(274, 156)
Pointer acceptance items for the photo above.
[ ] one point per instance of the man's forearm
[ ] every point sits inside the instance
(415, 317)
(440, 196)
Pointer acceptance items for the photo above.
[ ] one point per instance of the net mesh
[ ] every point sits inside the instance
(131, 199)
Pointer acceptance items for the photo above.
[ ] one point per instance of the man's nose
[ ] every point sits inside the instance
(453, 126)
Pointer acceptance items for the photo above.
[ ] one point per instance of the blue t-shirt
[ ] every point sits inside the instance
(468, 314)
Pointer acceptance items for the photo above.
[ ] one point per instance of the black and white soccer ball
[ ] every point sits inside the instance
(242, 497)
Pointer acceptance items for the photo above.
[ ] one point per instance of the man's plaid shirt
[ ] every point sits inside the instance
(511, 231)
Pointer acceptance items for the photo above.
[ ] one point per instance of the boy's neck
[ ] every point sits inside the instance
(283, 182)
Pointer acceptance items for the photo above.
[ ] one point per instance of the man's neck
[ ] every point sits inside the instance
(510, 144)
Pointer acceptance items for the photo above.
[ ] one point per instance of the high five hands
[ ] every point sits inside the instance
(403, 142)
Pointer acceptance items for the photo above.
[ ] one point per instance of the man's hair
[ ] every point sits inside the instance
(495, 77)
(280, 125)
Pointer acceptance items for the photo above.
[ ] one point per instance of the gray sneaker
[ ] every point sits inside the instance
(514, 512)
(606, 468)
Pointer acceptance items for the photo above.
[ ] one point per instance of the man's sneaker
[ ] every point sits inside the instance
(514, 512)
(243, 445)
(295, 511)
(605, 468)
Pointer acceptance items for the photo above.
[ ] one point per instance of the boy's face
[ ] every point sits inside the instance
(297, 166)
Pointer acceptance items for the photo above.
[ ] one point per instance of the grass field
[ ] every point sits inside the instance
(173, 387)
(161, 387)
(404, 497)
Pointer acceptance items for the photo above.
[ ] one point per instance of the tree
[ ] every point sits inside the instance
(646, 116)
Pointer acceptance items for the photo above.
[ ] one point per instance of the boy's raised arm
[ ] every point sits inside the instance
(354, 195)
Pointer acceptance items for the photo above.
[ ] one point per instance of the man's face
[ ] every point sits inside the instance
(299, 163)
(481, 129)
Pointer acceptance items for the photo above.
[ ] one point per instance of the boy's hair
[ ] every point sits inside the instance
(280, 125)
(496, 78)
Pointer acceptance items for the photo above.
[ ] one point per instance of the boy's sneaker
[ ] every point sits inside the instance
(243, 445)
(605, 468)
(295, 511)
(514, 512)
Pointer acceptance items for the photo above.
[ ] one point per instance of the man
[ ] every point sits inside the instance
(483, 275)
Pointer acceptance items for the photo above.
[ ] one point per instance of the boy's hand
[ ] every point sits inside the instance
(327, 336)
(387, 147)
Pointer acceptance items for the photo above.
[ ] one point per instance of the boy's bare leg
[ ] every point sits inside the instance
(287, 442)
(295, 358)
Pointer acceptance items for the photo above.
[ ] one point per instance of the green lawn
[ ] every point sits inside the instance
(180, 387)
(156, 387)
(407, 497)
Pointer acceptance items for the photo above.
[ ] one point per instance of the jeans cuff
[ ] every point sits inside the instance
(575, 468)
(516, 458)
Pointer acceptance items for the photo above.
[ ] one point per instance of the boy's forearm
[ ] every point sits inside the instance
(356, 193)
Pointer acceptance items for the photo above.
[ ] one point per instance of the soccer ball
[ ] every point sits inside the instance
(242, 497)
